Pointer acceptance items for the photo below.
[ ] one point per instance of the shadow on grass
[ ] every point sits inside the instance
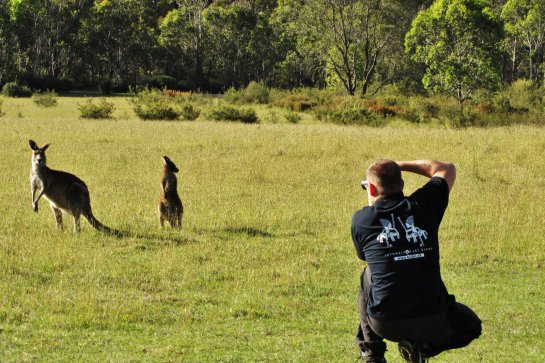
(177, 240)
(250, 231)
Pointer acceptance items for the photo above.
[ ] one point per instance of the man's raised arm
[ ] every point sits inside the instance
(430, 168)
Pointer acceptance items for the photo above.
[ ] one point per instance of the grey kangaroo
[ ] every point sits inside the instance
(64, 191)
(170, 206)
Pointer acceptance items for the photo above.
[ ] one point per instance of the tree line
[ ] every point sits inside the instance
(445, 46)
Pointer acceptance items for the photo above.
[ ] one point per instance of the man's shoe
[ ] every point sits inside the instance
(410, 352)
(366, 358)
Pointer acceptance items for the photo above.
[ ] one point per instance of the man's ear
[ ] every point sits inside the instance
(373, 190)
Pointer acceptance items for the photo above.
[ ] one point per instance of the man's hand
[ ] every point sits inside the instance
(430, 168)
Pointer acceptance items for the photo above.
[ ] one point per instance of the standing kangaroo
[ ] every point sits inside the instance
(170, 206)
(64, 191)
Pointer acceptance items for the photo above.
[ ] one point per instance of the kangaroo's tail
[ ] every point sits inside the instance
(99, 226)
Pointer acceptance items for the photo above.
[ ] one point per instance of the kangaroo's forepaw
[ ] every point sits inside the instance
(35, 207)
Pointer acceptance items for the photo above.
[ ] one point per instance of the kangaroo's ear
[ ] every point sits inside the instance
(165, 160)
(33, 145)
(44, 148)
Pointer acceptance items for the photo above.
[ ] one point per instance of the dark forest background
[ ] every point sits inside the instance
(357, 46)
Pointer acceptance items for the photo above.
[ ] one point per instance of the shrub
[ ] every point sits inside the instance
(160, 82)
(302, 99)
(102, 110)
(248, 115)
(161, 110)
(154, 105)
(12, 89)
(293, 118)
(227, 113)
(382, 110)
(502, 104)
(177, 94)
(189, 112)
(45, 99)
(256, 93)
(253, 93)
(523, 94)
(355, 116)
(232, 95)
(272, 117)
(296, 102)
(60, 85)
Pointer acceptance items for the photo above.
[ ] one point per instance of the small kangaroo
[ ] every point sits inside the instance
(170, 206)
(64, 191)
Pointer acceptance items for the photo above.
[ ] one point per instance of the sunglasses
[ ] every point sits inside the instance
(364, 184)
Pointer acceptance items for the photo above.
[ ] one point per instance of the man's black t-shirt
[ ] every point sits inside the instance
(398, 237)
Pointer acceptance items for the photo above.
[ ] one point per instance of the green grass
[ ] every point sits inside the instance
(265, 269)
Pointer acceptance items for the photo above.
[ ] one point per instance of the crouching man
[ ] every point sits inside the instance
(402, 296)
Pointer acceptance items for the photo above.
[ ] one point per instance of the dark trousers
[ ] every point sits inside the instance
(452, 329)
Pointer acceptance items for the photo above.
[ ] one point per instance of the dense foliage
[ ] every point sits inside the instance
(357, 46)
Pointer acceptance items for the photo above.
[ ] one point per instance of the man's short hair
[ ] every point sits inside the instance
(386, 175)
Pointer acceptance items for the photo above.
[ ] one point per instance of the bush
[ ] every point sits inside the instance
(272, 117)
(155, 105)
(12, 89)
(253, 93)
(302, 99)
(232, 95)
(379, 109)
(102, 110)
(293, 118)
(156, 111)
(226, 113)
(160, 82)
(45, 99)
(256, 93)
(355, 116)
(39, 83)
(189, 112)
(523, 94)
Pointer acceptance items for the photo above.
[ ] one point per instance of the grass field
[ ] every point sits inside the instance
(265, 269)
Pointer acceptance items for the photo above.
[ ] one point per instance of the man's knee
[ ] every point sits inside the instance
(464, 320)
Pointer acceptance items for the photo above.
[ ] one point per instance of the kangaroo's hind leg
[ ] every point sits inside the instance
(179, 221)
(161, 213)
(58, 216)
(77, 227)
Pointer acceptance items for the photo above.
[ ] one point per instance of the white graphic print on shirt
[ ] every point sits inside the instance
(389, 232)
(413, 234)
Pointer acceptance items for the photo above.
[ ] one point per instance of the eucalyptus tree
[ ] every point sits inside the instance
(525, 23)
(354, 36)
(120, 38)
(458, 42)
(242, 45)
(46, 33)
(8, 45)
(183, 35)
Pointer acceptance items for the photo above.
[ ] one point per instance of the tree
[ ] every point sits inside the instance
(458, 41)
(354, 36)
(46, 32)
(525, 23)
(8, 48)
(182, 37)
